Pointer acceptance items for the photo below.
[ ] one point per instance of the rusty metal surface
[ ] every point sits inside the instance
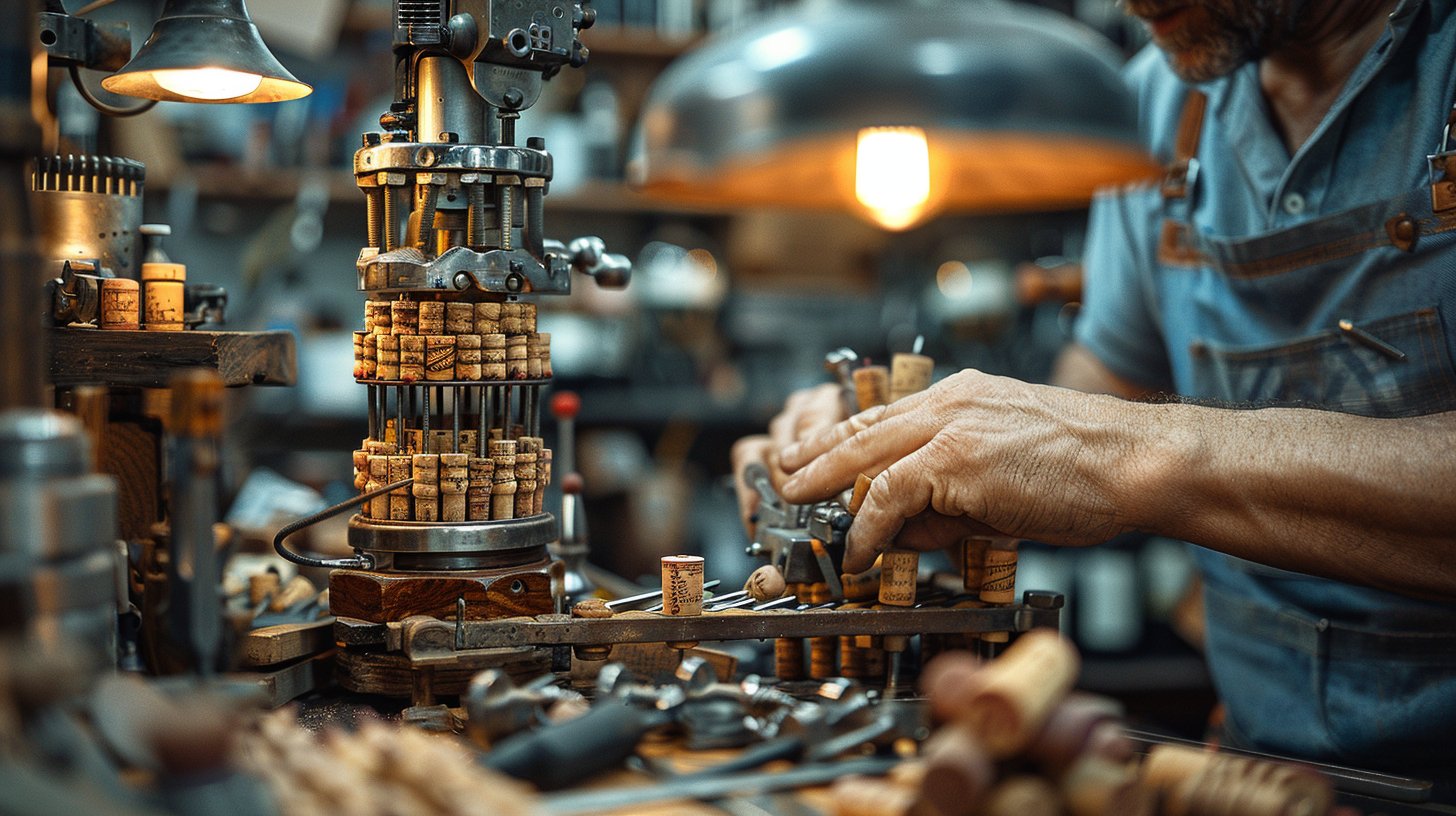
(1040, 609)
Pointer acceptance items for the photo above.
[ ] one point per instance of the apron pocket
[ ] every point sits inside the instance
(1390, 367)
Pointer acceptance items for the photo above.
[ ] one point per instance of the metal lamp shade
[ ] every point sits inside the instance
(216, 35)
(1021, 108)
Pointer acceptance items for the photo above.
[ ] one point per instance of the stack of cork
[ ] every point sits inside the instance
(445, 341)
(1016, 740)
(452, 486)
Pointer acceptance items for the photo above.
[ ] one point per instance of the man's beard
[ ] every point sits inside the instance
(1218, 36)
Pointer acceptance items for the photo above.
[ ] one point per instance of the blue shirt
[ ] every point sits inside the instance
(1277, 251)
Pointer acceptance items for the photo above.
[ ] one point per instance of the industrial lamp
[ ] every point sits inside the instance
(894, 110)
(205, 51)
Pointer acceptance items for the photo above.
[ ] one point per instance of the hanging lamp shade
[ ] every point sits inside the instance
(205, 51)
(895, 110)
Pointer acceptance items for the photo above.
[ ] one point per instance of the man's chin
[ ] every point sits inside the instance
(1196, 65)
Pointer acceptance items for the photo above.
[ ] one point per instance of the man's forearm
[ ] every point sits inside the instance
(1369, 501)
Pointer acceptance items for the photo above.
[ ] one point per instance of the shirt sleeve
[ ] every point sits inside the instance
(1119, 321)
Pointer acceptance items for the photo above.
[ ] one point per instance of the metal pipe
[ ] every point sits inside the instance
(535, 233)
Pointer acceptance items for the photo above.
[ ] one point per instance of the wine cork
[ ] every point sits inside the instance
(682, 585)
(525, 483)
(533, 357)
(1074, 728)
(379, 447)
(261, 587)
(459, 318)
(431, 318)
(439, 357)
(369, 349)
(378, 477)
(851, 658)
(404, 317)
(1007, 701)
(426, 471)
(388, 356)
(120, 304)
(1096, 786)
(361, 469)
(487, 318)
(1192, 781)
(544, 347)
(789, 658)
(411, 357)
(543, 478)
(909, 374)
(528, 318)
(453, 507)
(164, 292)
(493, 357)
(467, 441)
(477, 496)
(399, 500)
(427, 508)
(871, 387)
(766, 584)
(863, 796)
(823, 657)
(973, 564)
(857, 496)
(999, 582)
(414, 441)
(467, 357)
(898, 571)
(502, 499)
(594, 608)
(503, 454)
(510, 319)
(516, 357)
(297, 590)
(1023, 795)
(958, 771)
(376, 316)
(454, 473)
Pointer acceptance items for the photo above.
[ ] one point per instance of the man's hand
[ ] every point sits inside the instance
(806, 414)
(973, 454)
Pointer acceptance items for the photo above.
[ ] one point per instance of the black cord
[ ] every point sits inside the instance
(357, 562)
(109, 110)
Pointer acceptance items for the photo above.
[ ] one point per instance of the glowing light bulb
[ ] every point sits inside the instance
(208, 83)
(892, 174)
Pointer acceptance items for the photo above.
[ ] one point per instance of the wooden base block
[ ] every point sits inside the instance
(390, 674)
(382, 597)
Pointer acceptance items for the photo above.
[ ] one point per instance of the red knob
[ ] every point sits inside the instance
(565, 405)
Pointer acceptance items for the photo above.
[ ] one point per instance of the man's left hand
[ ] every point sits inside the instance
(973, 454)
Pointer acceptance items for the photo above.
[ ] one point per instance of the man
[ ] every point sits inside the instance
(1294, 261)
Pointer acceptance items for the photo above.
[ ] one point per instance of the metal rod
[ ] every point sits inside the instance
(647, 596)
(484, 421)
(425, 421)
(373, 409)
(399, 418)
(455, 415)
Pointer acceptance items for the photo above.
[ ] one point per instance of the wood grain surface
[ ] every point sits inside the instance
(148, 359)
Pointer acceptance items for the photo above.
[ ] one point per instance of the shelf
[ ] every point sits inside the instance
(149, 359)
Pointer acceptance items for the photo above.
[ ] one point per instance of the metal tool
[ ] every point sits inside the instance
(560, 755)
(748, 784)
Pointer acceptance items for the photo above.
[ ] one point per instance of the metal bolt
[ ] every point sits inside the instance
(513, 98)
(517, 267)
(1043, 599)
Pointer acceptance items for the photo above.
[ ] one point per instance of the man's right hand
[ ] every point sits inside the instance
(806, 414)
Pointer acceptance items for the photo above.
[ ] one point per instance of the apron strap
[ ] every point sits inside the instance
(1183, 171)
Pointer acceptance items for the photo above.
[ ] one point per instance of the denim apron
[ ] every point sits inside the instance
(1347, 312)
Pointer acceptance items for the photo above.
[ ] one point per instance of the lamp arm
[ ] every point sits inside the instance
(108, 109)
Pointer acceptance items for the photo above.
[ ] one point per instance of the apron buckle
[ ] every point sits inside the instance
(1443, 180)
